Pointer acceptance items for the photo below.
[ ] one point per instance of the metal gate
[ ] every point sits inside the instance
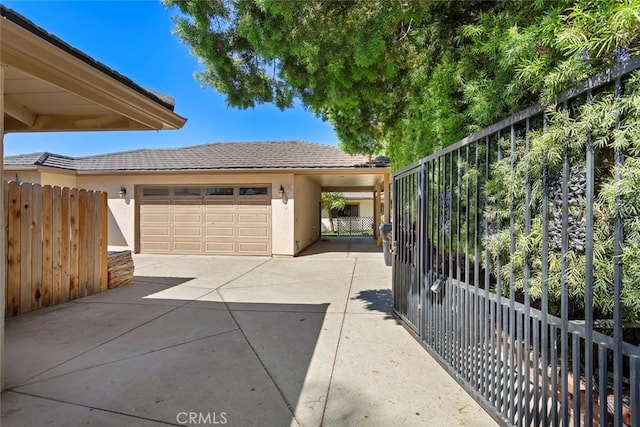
(487, 317)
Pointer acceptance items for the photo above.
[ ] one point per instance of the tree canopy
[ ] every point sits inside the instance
(399, 77)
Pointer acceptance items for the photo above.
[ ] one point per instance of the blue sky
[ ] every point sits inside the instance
(135, 39)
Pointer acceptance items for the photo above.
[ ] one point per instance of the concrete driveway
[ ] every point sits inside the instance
(238, 341)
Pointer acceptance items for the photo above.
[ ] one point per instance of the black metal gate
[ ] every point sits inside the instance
(486, 314)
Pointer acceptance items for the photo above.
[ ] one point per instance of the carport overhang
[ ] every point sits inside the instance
(47, 85)
(361, 179)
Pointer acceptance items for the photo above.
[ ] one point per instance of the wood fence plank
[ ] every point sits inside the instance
(104, 241)
(47, 247)
(13, 249)
(91, 243)
(82, 243)
(65, 259)
(36, 247)
(26, 196)
(74, 208)
(97, 243)
(60, 292)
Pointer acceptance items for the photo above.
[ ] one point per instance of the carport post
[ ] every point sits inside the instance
(387, 197)
(376, 212)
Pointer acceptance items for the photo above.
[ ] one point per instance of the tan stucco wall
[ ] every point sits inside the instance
(22, 176)
(122, 223)
(307, 212)
(59, 179)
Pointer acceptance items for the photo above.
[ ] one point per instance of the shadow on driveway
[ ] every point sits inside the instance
(124, 357)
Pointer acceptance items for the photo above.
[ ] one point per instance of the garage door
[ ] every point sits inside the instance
(206, 220)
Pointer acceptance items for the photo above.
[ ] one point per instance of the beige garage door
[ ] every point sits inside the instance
(206, 220)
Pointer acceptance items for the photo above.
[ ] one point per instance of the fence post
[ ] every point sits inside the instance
(104, 241)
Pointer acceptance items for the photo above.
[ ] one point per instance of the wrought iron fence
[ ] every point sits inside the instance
(352, 226)
(489, 245)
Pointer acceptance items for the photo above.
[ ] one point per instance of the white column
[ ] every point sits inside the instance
(376, 212)
(387, 197)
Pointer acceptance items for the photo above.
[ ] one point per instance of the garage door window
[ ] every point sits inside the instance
(188, 191)
(253, 191)
(220, 191)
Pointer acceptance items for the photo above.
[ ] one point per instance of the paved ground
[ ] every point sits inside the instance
(232, 341)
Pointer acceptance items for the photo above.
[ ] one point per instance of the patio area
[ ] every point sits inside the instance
(236, 340)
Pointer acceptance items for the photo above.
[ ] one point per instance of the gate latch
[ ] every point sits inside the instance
(393, 247)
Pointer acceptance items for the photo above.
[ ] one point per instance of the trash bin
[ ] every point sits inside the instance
(385, 234)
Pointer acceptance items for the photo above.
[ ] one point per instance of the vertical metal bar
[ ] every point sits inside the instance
(467, 270)
(617, 280)
(422, 247)
(439, 257)
(453, 354)
(487, 336)
(520, 415)
(403, 248)
(412, 270)
(443, 246)
(588, 294)
(536, 371)
(527, 276)
(511, 390)
(496, 306)
(430, 250)
(436, 232)
(459, 306)
(476, 277)
(564, 298)
(602, 384)
(553, 372)
(545, 291)
(576, 380)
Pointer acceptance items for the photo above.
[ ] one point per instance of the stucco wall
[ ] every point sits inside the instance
(307, 212)
(122, 224)
(59, 179)
(23, 176)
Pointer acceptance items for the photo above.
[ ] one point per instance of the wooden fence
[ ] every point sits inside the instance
(56, 245)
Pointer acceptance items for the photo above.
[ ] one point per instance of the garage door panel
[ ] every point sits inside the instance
(187, 218)
(187, 232)
(213, 232)
(220, 218)
(155, 247)
(254, 206)
(156, 218)
(220, 223)
(253, 247)
(186, 202)
(220, 204)
(155, 204)
(188, 246)
(253, 218)
(156, 231)
(253, 232)
(220, 247)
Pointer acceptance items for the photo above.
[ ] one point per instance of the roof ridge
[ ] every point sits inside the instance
(208, 144)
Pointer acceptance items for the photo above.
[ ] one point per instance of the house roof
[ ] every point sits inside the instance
(6, 13)
(216, 156)
(51, 86)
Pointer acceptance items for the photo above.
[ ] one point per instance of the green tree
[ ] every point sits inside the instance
(331, 201)
(403, 77)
